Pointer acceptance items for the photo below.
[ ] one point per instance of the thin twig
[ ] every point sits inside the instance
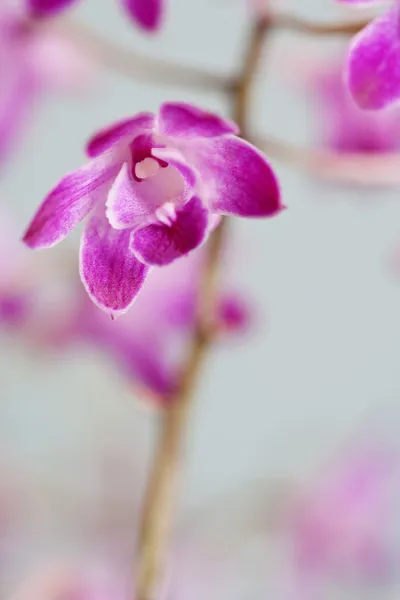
(299, 25)
(379, 168)
(142, 68)
(160, 498)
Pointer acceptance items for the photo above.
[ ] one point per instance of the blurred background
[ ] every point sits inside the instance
(314, 377)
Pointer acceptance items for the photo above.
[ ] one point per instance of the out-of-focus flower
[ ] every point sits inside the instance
(341, 526)
(372, 70)
(154, 189)
(148, 14)
(16, 275)
(33, 60)
(343, 126)
(150, 342)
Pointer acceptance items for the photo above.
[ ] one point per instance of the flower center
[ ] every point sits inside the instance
(146, 168)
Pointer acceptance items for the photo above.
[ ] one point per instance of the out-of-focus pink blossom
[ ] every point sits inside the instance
(154, 189)
(343, 126)
(149, 343)
(372, 74)
(341, 525)
(17, 279)
(33, 60)
(147, 14)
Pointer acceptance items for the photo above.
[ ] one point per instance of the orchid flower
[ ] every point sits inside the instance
(32, 60)
(373, 72)
(149, 342)
(344, 126)
(148, 14)
(342, 524)
(155, 187)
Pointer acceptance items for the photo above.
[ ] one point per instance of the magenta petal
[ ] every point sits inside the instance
(46, 8)
(128, 128)
(162, 244)
(110, 273)
(180, 119)
(239, 178)
(132, 203)
(125, 207)
(146, 13)
(373, 65)
(67, 204)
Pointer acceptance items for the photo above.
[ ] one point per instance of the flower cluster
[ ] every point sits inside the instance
(373, 71)
(145, 13)
(154, 189)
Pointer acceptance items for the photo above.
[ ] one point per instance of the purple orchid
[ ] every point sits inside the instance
(154, 189)
(373, 72)
(31, 61)
(149, 342)
(342, 525)
(148, 14)
(345, 127)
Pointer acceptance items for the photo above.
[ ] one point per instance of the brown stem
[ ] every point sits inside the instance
(380, 168)
(142, 68)
(161, 493)
(297, 24)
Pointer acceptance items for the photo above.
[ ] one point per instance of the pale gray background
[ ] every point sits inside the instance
(326, 352)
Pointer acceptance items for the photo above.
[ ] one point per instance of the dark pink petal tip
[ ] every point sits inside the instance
(180, 119)
(108, 137)
(66, 205)
(161, 244)
(148, 14)
(111, 274)
(373, 73)
(47, 8)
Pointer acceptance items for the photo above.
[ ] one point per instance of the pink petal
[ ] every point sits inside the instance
(180, 119)
(128, 128)
(17, 95)
(110, 273)
(373, 66)
(126, 207)
(134, 203)
(68, 203)
(146, 13)
(239, 178)
(162, 244)
(46, 8)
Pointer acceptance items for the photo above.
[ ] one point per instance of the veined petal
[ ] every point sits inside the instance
(373, 71)
(238, 177)
(125, 206)
(180, 119)
(128, 128)
(46, 8)
(160, 244)
(111, 274)
(146, 13)
(132, 203)
(68, 203)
